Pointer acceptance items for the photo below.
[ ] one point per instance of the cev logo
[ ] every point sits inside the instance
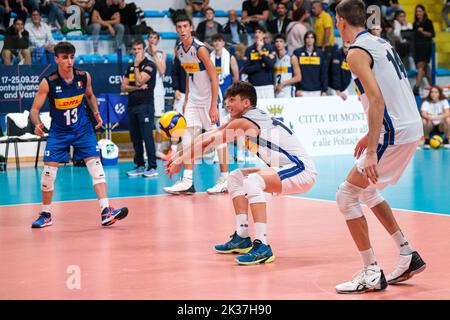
(119, 108)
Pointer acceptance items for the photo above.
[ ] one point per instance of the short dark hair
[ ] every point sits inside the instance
(218, 37)
(283, 4)
(64, 47)
(183, 18)
(138, 42)
(154, 32)
(260, 28)
(35, 10)
(298, 14)
(280, 36)
(209, 9)
(354, 11)
(17, 19)
(243, 89)
(309, 33)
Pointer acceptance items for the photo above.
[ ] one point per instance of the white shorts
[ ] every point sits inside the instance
(294, 181)
(287, 92)
(159, 105)
(392, 163)
(311, 93)
(265, 92)
(178, 105)
(198, 117)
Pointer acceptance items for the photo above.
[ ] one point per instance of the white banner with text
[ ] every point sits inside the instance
(325, 125)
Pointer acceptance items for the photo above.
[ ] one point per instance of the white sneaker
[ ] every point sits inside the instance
(369, 279)
(220, 187)
(160, 155)
(407, 267)
(216, 157)
(182, 186)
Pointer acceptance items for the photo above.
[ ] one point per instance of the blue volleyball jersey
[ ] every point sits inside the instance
(67, 102)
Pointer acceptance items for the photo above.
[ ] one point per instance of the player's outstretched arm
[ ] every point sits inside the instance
(92, 101)
(227, 133)
(360, 63)
(39, 100)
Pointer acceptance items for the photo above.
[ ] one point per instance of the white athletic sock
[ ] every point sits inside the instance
(46, 208)
(402, 243)
(260, 231)
(104, 203)
(242, 225)
(187, 174)
(368, 257)
(158, 146)
(224, 175)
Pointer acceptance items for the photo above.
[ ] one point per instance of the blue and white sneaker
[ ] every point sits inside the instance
(260, 253)
(138, 171)
(110, 215)
(150, 173)
(44, 220)
(237, 244)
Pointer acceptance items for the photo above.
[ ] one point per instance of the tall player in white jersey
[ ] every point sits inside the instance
(286, 71)
(290, 170)
(159, 58)
(200, 104)
(383, 154)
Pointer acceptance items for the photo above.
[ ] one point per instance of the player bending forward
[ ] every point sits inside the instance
(66, 90)
(290, 170)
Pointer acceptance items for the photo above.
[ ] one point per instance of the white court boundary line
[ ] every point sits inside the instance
(166, 195)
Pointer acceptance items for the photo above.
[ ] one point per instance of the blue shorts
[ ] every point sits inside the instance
(83, 141)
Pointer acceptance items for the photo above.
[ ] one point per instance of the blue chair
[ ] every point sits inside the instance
(89, 58)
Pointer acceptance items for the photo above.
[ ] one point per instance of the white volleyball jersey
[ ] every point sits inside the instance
(401, 123)
(276, 144)
(159, 85)
(283, 72)
(199, 82)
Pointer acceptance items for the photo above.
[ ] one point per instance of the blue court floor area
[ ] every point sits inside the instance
(425, 185)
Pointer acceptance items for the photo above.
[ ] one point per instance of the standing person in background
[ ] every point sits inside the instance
(279, 24)
(313, 68)
(139, 81)
(259, 62)
(340, 72)
(254, 13)
(287, 70)
(158, 57)
(296, 30)
(324, 30)
(445, 12)
(423, 40)
(228, 73)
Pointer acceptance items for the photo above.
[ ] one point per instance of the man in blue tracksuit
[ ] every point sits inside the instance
(313, 69)
(340, 72)
(259, 65)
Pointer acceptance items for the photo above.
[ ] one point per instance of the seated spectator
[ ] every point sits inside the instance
(313, 69)
(16, 43)
(296, 30)
(423, 39)
(20, 7)
(402, 35)
(389, 7)
(376, 30)
(55, 11)
(41, 40)
(279, 25)
(445, 13)
(341, 75)
(259, 65)
(85, 6)
(195, 6)
(105, 18)
(206, 29)
(254, 13)
(129, 19)
(273, 6)
(435, 114)
(4, 9)
(234, 31)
